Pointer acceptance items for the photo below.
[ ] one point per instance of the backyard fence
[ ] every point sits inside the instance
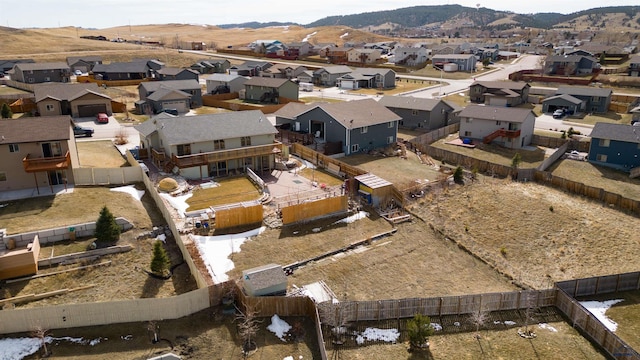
(238, 214)
(435, 135)
(553, 158)
(107, 176)
(220, 101)
(313, 209)
(323, 161)
(601, 284)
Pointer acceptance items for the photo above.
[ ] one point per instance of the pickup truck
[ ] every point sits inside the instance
(82, 131)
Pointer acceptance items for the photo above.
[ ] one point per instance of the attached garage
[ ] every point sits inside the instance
(180, 105)
(91, 110)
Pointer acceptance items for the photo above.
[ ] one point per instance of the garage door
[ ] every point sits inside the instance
(91, 110)
(348, 84)
(181, 106)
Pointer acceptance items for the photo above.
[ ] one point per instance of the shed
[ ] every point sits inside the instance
(20, 262)
(374, 189)
(266, 280)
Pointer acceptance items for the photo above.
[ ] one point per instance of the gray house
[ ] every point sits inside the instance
(464, 62)
(597, 100)
(162, 99)
(249, 68)
(634, 65)
(191, 87)
(35, 73)
(172, 73)
(499, 93)
(264, 89)
(83, 63)
(77, 100)
(328, 76)
(570, 65)
(217, 83)
(359, 125)
(509, 127)
(368, 78)
(122, 71)
(420, 113)
(212, 66)
(566, 102)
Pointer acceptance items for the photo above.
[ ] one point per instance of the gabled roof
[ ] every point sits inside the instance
(495, 113)
(453, 56)
(265, 276)
(409, 102)
(164, 93)
(122, 67)
(248, 65)
(35, 129)
(350, 114)
(267, 82)
(189, 84)
(42, 66)
(89, 58)
(569, 58)
(64, 91)
(223, 77)
(584, 91)
(617, 132)
(291, 110)
(174, 71)
(371, 71)
(338, 69)
(201, 128)
(565, 97)
(511, 85)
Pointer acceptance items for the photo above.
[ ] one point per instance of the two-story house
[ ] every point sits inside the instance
(328, 75)
(211, 145)
(83, 63)
(181, 95)
(420, 113)
(338, 55)
(368, 78)
(499, 93)
(596, 100)
(38, 153)
(264, 89)
(363, 56)
(223, 83)
(615, 145)
(634, 65)
(464, 62)
(509, 127)
(77, 99)
(411, 56)
(35, 73)
(570, 65)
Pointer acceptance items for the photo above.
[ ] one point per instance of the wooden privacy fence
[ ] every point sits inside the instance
(107, 176)
(313, 209)
(601, 284)
(374, 310)
(435, 135)
(323, 161)
(220, 101)
(238, 214)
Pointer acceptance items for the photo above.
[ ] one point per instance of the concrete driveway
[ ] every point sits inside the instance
(547, 122)
(107, 131)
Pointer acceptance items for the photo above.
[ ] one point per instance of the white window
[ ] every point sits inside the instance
(498, 123)
(14, 148)
(50, 107)
(468, 120)
(355, 148)
(414, 112)
(364, 130)
(467, 133)
(3, 176)
(601, 157)
(603, 143)
(391, 125)
(389, 139)
(47, 78)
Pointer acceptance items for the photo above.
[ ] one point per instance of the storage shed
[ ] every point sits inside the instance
(375, 190)
(266, 280)
(20, 262)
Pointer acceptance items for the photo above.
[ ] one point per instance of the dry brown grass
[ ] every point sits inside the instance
(230, 191)
(320, 176)
(100, 154)
(626, 314)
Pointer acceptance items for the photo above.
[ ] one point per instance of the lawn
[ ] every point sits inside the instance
(610, 117)
(402, 86)
(7, 90)
(100, 154)
(626, 314)
(229, 191)
(597, 176)
(320, 176)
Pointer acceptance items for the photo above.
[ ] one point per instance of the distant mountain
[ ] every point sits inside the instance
(256, 25)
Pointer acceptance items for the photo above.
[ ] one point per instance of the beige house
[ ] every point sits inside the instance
(37, 153)
(77, 100)
(363, 56)
(505, 126)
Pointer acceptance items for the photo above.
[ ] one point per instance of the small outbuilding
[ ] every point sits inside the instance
(266, 280)
(18, 262)
(375, 190)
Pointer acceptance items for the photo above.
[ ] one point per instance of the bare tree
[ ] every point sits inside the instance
(248, 327)
(152, 327)
(41, 333)
(478, 319)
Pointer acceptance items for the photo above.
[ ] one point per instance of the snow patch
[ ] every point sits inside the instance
(131, 190)
(374, 334)
(353, 218)
(548, 327)
(343, 35)
(306, 38)
(436, 326)
(279, 327)
(509, 322)
(599, 308)
(177, 202)
(19, 348)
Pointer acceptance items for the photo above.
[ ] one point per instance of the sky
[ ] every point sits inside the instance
(111, 13)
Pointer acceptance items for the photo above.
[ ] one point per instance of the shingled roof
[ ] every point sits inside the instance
(507, 114)
(36, 129)
(617, 132)
(409, 102)
(65, 91)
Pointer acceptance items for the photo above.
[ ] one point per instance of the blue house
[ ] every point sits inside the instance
(615, 145)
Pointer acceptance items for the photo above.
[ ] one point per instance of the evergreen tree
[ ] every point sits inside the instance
(5, 112)
(160, 261)
(457, 175)
(419, 329)
(107, 230)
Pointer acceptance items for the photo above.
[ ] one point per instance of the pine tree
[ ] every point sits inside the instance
(5, 112)
(419, 329)
(160, 261)
(107, 230)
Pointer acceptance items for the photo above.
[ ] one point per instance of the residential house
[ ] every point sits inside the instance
(76, 100)
(37, 153)
(499, 93)
(615, 145)
(420, 113)
(7, 64)
(211, 145)
(509, 127)
(570, 65)
(411, 56)
(571, 105)
(445, 49)
(269, 90)
(220, 83)
(266, 46)
(83, 63)
(173, 73)
(358, 125)
(211, 66)
(299, 49)
(181, 95)
(464, 62)
(338, 55)
(363, 56)
(322, 49)
(383, 46)
(35, 73)
(634, 65)
(596, 100)
(487, 53)
(305, 77)
(328, 76)
(610, 51)
(122, 71)
(368, 78)
(249, 68)
(153, 64)
(283, 71)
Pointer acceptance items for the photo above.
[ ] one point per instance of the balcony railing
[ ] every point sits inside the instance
(35, 164)
(510, 134)
(200, 159)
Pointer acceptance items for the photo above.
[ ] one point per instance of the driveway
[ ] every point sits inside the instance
(107, 131)
(547, 122)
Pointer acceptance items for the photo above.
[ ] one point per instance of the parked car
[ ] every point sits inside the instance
(82, 131)
(102, 118)
(78, 72)
(173, 112)
(558, 114)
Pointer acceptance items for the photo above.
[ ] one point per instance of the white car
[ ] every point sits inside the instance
(77, 72)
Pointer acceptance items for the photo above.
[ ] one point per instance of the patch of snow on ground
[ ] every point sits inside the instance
(131, 190)
(599, 308)
(177, 202)
(509, 322)
(306, 38)
(279, 327)
(353, 218)
(374, 334)
(19, 348)
(343, 35)
(215, 251)
(548, 327)
(436, 326)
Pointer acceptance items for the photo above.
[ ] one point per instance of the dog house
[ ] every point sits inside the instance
(374, 190)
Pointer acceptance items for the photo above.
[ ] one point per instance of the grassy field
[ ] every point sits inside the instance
(402, 85)
(230, 191)
(100, 154)
(320, 176)
(626, 314)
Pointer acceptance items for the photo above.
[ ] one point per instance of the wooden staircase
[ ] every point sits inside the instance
(635, 172)
(501, 133)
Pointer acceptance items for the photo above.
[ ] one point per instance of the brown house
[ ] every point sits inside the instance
(77, 100)
(499, 93)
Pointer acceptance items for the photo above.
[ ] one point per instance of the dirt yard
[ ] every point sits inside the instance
(100, 154)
